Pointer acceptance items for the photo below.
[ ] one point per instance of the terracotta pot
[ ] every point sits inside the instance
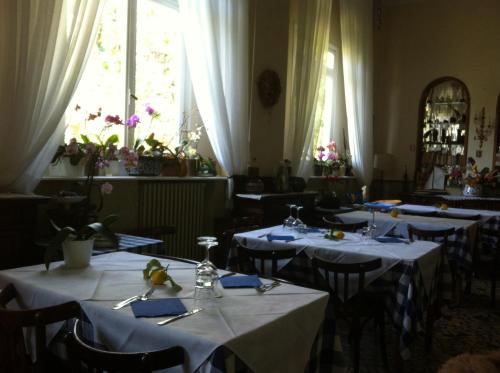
(192, 167)
(173, 167)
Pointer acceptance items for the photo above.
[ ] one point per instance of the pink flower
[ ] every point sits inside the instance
(320, 148)
(133, 120)
(332, 146)
(150, 110)
(106, 188)
(72, 147)
(332, 156)
(114, 119)
(124, 151)
(90, 148)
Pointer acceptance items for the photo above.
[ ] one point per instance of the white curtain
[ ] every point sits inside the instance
(216, 40)
(357, 59)
(43, 48)
(308, 44)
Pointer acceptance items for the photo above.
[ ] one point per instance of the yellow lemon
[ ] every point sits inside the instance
(394, 213)
(444, 206)
(338, 235)
(159, 277)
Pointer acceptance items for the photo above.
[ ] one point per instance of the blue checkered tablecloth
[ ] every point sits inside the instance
(135, 244)
(407, 301)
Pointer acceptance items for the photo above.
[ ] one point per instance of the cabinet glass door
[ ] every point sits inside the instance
(442, 132)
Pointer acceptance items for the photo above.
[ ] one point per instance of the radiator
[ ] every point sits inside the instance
(177, 204)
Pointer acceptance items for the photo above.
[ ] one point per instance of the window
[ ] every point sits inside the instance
(325, 118)
(138, 60)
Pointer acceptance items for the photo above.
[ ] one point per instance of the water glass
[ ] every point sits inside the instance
(290, 220)
(206, 272)
(298, 225)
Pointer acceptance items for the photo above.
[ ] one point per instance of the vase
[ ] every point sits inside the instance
(192, 166)
(318, 170)
(171, 167)
(115, 168)
(342, 171)
(77, 253)
(71, 170)
(149, 166)
(472, 191)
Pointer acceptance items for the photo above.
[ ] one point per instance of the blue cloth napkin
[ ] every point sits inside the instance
(158, 307)
(250, 281)
(312, 230)
(273, 237)
(388, 239)
(378, 205)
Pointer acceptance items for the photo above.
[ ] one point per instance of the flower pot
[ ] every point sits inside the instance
(72, 170)
(472, 191)
(192, 167)
(318, 170)
(115, 168)
(149, 166)
(77, 253)
(171, 167)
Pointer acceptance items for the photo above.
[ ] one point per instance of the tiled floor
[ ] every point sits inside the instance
(471, 327)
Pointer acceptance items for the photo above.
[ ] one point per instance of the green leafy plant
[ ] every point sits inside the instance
(83, 233)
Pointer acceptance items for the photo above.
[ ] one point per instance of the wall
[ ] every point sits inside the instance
(419, 41)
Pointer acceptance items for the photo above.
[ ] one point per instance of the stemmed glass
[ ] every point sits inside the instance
(298, 224)
(206, 271)
(289, 222)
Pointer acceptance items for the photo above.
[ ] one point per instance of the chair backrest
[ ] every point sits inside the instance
(244, 253)
(460, 216)
(96, 359)
(13, 354)
(430, 214)
(346, 227)
(430, 234)
(343, 272)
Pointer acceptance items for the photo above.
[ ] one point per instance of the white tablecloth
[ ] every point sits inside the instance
(269, 332)
(451, 211)
(353, 248)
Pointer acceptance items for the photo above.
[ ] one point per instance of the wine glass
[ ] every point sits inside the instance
(288, 222)
(206, 271)
(298, 224)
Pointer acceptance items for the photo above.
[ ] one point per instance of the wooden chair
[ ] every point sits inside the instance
(346, 227)
(434, 309)
(247, 255)
(486, 261)
(221, 252)
(475, 217)
(97, 360)
(13, 354)
(358, 309)
(430, 214)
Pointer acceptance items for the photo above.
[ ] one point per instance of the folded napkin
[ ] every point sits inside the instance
(378, 205)
(388, 239)
(250, 281)
(273, 237)
(312, 230)
(158, 307)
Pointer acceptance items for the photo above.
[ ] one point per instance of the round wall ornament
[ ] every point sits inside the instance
(269, 87)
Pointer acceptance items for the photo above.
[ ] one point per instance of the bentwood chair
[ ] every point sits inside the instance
(358, 309)
(346, 227)
(96, 360)
(441, 236)
(248, 256)
(13, 354)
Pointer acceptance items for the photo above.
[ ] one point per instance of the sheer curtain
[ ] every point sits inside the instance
(357, 59)
(216, 40)
(308, 45)
(43, 48)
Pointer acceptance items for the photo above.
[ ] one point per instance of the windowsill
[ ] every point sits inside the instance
(137, 178)
(331, 176)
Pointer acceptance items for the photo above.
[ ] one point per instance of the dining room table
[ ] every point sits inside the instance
(461, 244)
(272, 331)
(410, 272)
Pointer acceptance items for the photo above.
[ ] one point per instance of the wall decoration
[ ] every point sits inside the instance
(269, 88)
(482, 130)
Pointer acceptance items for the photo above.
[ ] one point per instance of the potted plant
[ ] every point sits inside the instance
(77, 244)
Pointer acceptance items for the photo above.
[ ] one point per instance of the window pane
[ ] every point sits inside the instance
(158, 71)
(103, 82)
(324, 113)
